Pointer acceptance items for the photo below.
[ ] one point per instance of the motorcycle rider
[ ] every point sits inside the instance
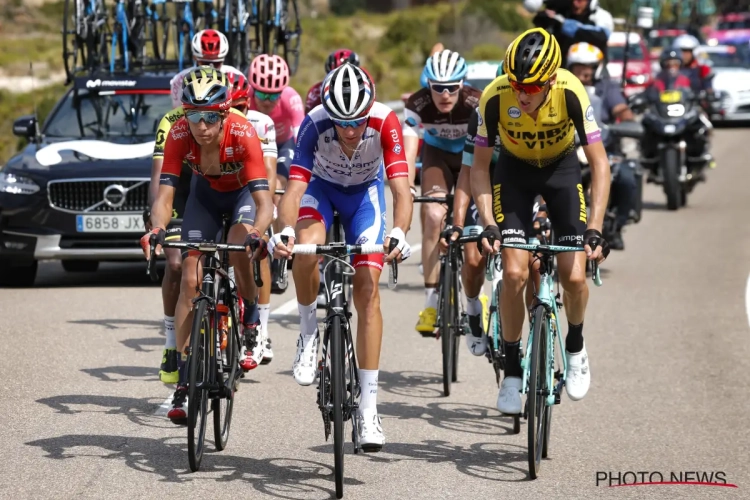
(586, 61)
(671, 78)
(573, 21)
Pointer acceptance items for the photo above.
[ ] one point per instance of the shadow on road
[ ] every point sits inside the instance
(139, 344)
(411, 384)
(650, 205)
(52, 275)
(117, 324)
(404, 287)
(457, 417)
(491, 461)
(279, 477)
(138, 411)
(110, 373)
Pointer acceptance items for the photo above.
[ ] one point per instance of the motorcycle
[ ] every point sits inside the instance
(671, 123)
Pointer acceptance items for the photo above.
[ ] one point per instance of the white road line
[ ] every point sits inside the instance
(163, 409)
(747, 298)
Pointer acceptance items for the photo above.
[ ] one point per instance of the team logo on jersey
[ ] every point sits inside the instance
(229, 151)
(514, 112)
(397, 148)
(590, 113)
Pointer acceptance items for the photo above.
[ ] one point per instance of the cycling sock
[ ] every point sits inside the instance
(171, 340)
(512, 359)
(430, 296)
(264, 310)
(473, 306)
(574, 339)
(251, 317)
(368, 380)
(307, 321)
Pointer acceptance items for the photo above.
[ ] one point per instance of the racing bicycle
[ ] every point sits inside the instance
(215, 339)
(338, 378)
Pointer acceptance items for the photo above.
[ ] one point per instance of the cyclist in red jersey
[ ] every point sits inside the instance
(229, 176)
(335, 59)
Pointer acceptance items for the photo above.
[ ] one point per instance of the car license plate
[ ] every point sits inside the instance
(110, 224)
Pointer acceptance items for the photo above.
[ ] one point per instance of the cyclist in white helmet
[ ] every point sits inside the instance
(352, 127)
(210, 48)
(700, 75)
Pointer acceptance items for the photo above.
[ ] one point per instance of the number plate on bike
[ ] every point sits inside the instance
(671, 96)
(110, 224)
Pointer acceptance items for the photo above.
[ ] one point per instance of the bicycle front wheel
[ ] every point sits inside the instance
(198, 372)
(536, 396)
(446, 325)
(337, 389)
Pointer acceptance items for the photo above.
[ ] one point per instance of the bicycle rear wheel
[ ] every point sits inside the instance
(338, 388)
(227, 375)
(446, 325)
(290, 35)
(537, 394)
(198, 372)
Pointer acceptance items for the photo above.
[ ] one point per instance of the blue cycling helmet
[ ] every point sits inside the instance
(445, 66)
(500, 69)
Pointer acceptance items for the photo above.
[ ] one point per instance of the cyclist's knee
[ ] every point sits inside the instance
(189, 279)
(173, 269)
(515, 269)
(472, 258)
(573, 281)
(434, 216)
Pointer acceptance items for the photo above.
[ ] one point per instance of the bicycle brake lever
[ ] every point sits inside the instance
(595, 274)
(393, 270)
(151, 265)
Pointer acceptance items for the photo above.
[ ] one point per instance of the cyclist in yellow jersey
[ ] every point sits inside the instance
(536, 109)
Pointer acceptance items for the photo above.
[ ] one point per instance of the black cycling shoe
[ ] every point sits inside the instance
(475, 323)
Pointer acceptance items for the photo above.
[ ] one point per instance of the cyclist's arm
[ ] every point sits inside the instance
(254, 167)
(397, 171)
(488, 118)
(267, 136)
(582, 114)
(300, 172)
(463, 183)
(158, 157)
(296, 111)
(410, 132)
(313, 98)
(174, 152)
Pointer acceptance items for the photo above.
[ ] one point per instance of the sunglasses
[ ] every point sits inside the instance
(451, 88)
(266, 96)
(350, 123)
(528, 88)
(210, 117)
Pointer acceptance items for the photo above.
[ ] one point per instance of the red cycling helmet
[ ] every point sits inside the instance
(239, 86)
(339, 57)
(210, 46)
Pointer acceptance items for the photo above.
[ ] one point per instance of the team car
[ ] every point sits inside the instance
(77, 191)
(731, 70)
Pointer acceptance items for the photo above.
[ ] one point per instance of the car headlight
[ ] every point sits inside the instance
(638, 79)
(17, 184)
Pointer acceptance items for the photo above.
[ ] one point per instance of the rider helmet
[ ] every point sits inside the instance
(210, 46)
(206, 89)
(339, 57)
(533, 57)
(238, 86)
(445, 66)
(669, 54)
(587, 55)
(348, 93)
(685, 42)
(269, 74)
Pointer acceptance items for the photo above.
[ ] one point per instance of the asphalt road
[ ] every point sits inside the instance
(82, 413)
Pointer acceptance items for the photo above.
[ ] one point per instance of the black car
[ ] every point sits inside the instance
(76, 193)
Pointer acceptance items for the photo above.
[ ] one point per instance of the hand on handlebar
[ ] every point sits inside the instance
(256, 245)
(147, 219)
(596, 246)
(401, 251)
(451, 233)
(490, 242)
(281, 244)
(154, 238)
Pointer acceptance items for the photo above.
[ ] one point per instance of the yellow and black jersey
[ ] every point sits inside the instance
(166, 123)
(551, 136)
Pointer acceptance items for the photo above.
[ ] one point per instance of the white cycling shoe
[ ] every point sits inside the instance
(305, 364)
(509, 397)
(477, 345)
(578, 376)
(371, 437)
(267, 351)
(258, 351)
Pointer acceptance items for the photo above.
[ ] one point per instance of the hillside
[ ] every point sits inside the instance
(392, 47)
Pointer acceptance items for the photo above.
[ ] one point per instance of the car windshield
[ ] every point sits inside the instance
(726, 60)
(104, 115)
(661, 41)
(616, 52)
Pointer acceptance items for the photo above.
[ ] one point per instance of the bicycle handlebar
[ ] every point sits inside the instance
(433, 199)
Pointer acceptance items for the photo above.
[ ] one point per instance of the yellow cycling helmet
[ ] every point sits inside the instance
(206, 88)
(533, 57)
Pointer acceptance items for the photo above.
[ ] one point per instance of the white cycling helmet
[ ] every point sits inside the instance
(587, 54)
(445, 66)
(685, 42)
(348, 93)
(210, 46)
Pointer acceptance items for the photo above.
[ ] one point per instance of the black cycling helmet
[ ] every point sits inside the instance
(533, 57)
(669, 54)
